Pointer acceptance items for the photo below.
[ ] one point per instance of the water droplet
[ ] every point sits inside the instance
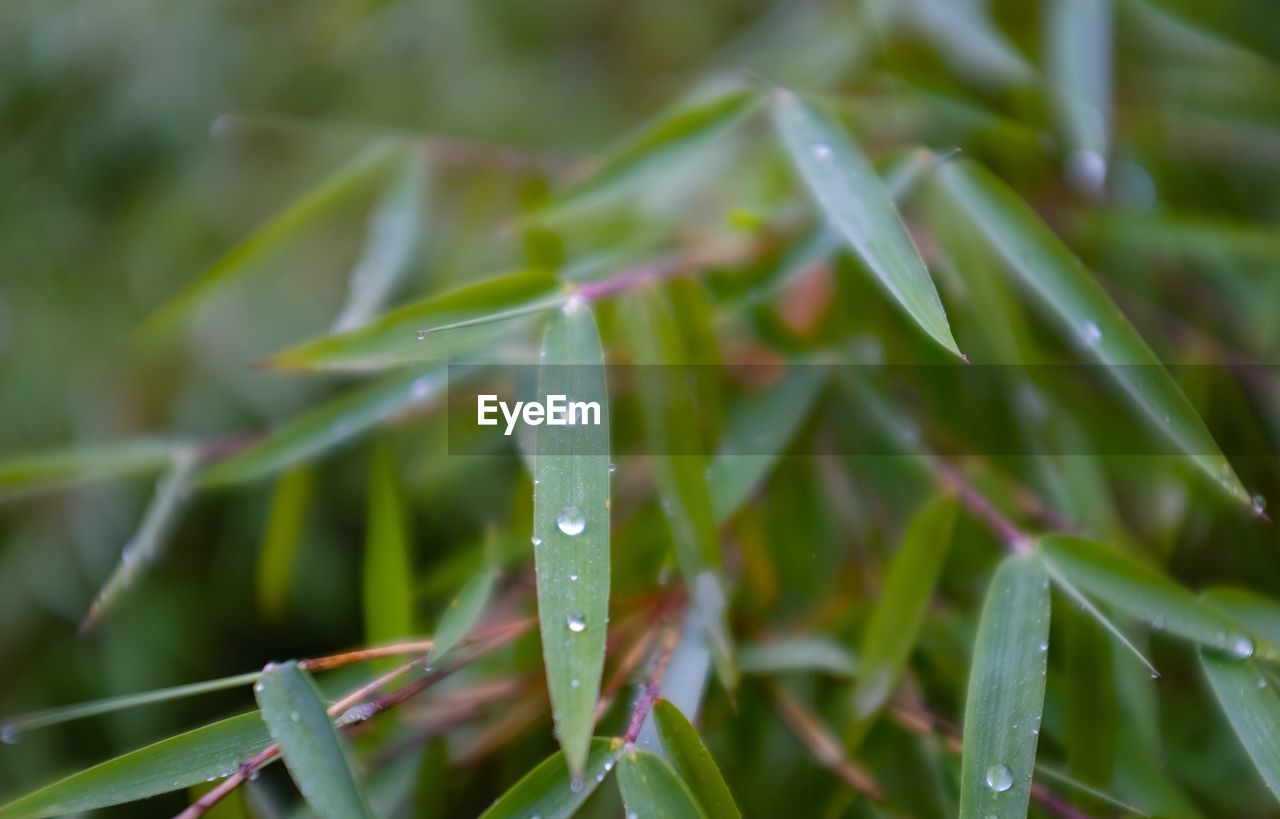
(421, 390)
(576, 785)
(608, 765)
(573, 577)
(571, 521)
(613, 468)
(1259, 504)
(1092, 334)
(422, 335)
(573, 304)
(577, 622)
(1087, 171)
(822, 151)
(575, 682)
(1044, 647)
(1241, 648)
(9, 733)
(1262, 683)
(999, 778)
(294, 716)
(632, 815)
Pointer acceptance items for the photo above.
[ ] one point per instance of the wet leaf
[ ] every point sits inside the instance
(651, 789)
(855, 201)
(547, 790)
(1252, 706)
(1078, 53)
(571, 528)
(317, 757)
(693, 762)
(1006, 692)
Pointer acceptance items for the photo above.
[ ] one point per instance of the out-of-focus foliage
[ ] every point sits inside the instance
(240, 243)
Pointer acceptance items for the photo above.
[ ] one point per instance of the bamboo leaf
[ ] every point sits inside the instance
(672, 134)
(1260, 614)
(855, 201)
(145, 547)
(28, 474)
(328, 426)
(432, 329)
(547, 790)
(896, 620)
(285, 524)
(756, 434)
(1252, 707)
(348, 182)
(651, 789)
(571, 529)
(820, 654)
(1048, 269)
(964, 32)
(1006, 692)
(392, 240)
(1128, 586)
(205, 753)
(1079, 71)
(318, 758)
(693, 762)
(463, 613)
(388, 569)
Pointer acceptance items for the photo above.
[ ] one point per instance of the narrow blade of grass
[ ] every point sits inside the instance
(432, 329)
(855, 201)
(348, 182)
(1258, 613)
(328, 426)
(1252, 706)
(285, 524)
(393, 237)
(1049, 270)
(571, 529)
(205, 753)
(651, 789)
(463, 612)
(693, 762)
(1006, 692)
(1078, 51)
(811, 654)
(547, 791)
(318, 758)
(966, 34)
(388, 570)
(1128, 586)
(42, 471)
(896, 620)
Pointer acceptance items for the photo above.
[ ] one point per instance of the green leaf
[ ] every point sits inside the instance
(463, 613)
(148, 542)
(328, 426)
(896, 620)
(38, 472)
(571, 529)
(393, 237)
(285, 524)
(652, 790)
(348, 182)
(1139, 591)
(1260, 614)
(318, 758)
(1089, 701)
(1078, 53)
(388, 569)
(855, 201)
(756, 434)
(821, 654)
(546, 791)
(1252, 707)
(674, 133)
(209, 752)
(693, 762)
(1006, 692)
(1048, 270)
(432, 329)
(964, 31)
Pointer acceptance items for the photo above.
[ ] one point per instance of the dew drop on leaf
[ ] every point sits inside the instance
(999, 778)
(577, 622)
(571, 521)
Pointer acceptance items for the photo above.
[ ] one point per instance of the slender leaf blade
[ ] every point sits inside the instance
(651, 789)
(853, 198)
(388, 569)
(285, 523)
(817, 653)
(1252, 706)
(1050, 272)
(896, 620)
(318, 758)
(1128, 586)
(431, 329)
(204, 753)
(1006, 692)
(693, 762)
(42, 471)
(547, 792)
(571, 529)
(1079, 54)
(463, 613)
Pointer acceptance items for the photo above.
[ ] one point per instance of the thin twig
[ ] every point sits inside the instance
(822, 743)
(977, 503)
(652, 686)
